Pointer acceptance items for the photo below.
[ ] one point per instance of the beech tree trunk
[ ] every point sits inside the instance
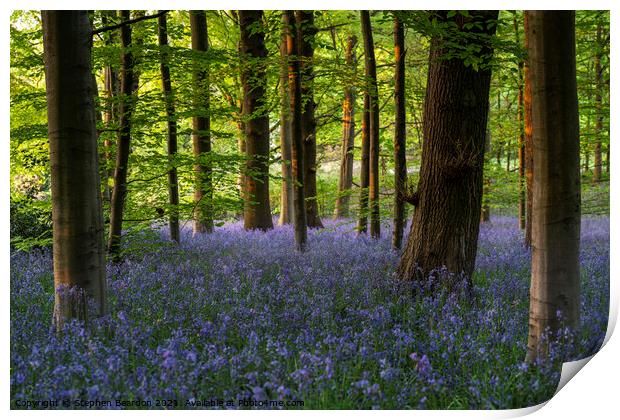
(362, 221)
(173, 180)
(446, 221)
(400, 132)
(306, 33)
(373, 155)
(345, 182)
(521, 150)
(78, 246)
(129, 86)
(286, 201)
(527, 129)
(555, 287)
(110, 112)
(201, 125)
(598, 77)
(257, 212)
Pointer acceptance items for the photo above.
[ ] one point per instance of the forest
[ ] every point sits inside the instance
(306, 209)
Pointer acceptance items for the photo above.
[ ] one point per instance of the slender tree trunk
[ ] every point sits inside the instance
(79, 256)
(521, 149)
(306, 33)
(201, 125)
(286, 201)
(400, 132)
(297, 152)
(127, 99)
(486, 208)
(373, 156)
(555, 287)
(446, 221)
(527, 130)
(345, 182)
(257, 212)
(173, 180)
(362, 221)
(110, 113)
(598, 154)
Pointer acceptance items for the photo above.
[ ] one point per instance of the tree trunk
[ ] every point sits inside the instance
(306, 33)
(345, 182)
(286, 201)
(598, 155)
(201, 125)
(446, 221)
(400, 132)
(129, 87)
(486, 208)
(78, 247)
(373, 155)
(362, 221)
(173, 180)
(527, 129)
(521, 149)
(110, 113)
(555, 287)
(297, 152)
(257, 212)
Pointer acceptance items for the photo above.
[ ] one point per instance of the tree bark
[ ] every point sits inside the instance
(362, 221)
(286, 201)
(521, 150)
(345, 182)
(306, 33)
(110, 113)
(527, 129)
(598, 77)
(446, 221)
(78, 247)
(257, 212)
(556, 214)
(129, 86)
(297, 152)
(201, 125)
(373, 155)
(400, 132)
(173, 180)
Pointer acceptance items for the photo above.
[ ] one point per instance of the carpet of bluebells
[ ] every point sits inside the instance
(241, 315)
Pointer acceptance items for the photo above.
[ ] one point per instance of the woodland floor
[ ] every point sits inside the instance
(238, 315)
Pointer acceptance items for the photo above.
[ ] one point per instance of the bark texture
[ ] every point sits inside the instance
(400, 132)
(257, 212)
(446, 221)
(201, 126)
(78, 246)
(362, 220)
(286, 198)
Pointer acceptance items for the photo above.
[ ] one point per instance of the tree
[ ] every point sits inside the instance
(110, 114)
(306, 33)
(201, 125)
(257, 212)
(297, 151)
(173, 181)
(555, 287)
(446, 221)
(598, 77)
(129, 86)
(527, 131)
(362, 220)
(286, 201)
(373, 155)
(400, 132)
(521, 145)
(345, 181)
(78, 247)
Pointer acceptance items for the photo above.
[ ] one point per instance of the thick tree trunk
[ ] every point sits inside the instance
(306, 33)
(78, 248)
(446, 222)
(257, 212)
(555, 287)
(373, 155)
(173, 180)
(521, 150)
(297, 152)
(201, 125)
(362, 221)
(129, 87)
(400, 132)
(527, 130)
(286, 201)
(345, 182)
(598, 77)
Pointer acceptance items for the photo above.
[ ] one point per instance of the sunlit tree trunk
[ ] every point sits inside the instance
(286, 200)
(527, 130)
(257, 212)
(78, 247)
(446, 221)
(598, 78)
(400, 132)
(110, 113)
(373, 155)
(521, 150)
(173, 181)
(345, 181)
(362, 221)
(555, 287)
(201, 125)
